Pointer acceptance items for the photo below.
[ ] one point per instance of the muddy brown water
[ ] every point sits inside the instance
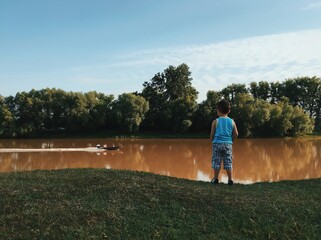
(255, 160)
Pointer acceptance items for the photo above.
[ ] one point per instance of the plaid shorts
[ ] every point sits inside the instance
(222, 151)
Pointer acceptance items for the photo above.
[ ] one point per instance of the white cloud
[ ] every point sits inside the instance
(312, 6)
(214, 66)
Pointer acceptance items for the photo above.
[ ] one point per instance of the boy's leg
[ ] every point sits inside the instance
(230, 177)
(216, 161)
(216, 173)
(228, 162)
(229, 174)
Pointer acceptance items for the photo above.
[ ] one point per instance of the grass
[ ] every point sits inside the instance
(118, 204)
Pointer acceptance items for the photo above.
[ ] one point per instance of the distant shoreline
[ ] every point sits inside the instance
(143, 135)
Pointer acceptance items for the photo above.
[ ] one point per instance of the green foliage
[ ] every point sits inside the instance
(129, 111)
(28, 115)
(172, 100)
(256, 117)
(182, 111)
(185, 125)
(242, 112)
(260, 117)
(99, 105)
(206, 111)
(294, 110)
(178, 83)
(280, 119)
(261, 90)
(230, 92)
(302, 123)
(302, 91)
(53, 110)
(276, 92)
(6, 119)
(167, 103)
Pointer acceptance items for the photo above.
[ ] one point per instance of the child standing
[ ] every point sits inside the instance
(223, 132)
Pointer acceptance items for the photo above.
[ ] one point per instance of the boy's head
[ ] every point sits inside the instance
(224, 106)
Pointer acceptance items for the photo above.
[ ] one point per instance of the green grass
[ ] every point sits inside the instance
(114, 204)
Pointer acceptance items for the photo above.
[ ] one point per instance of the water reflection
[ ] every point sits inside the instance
(277, 159)
(254, 159)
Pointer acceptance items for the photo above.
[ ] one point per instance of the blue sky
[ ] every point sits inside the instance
(114, 46)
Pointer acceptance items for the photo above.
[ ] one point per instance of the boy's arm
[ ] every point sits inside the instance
(213, 130)
(235, 131)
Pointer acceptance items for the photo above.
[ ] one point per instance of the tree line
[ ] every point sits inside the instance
(167, 103)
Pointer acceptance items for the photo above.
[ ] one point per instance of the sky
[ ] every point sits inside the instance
(114, 46)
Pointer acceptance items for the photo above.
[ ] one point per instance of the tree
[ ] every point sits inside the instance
(55, 109)
(28, 115)
(155, 93)
(318, 109)
(129, 111)
(8, 104)
(182, 112)
(292, 91)
(206, 111)
(178, 83)
(302, 124)
(242, 111)
(309, 93)
(6, 120)
(254, 89)
(99, 105)
(280, 119)
(303, 92)
(260, 117)
(230, 92)
(166, 90)
(276, 92)
(261, 90)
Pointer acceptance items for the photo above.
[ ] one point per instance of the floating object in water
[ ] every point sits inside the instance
(107, 148)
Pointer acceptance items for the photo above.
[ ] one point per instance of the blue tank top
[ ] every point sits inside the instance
(224, 130)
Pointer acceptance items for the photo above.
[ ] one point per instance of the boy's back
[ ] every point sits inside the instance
(224, 130)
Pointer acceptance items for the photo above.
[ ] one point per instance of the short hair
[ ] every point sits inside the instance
(224, 106)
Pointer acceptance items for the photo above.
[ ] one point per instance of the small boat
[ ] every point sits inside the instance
(108, 148)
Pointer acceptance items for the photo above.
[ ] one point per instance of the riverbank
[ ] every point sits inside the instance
(115, 204)
(140, 135)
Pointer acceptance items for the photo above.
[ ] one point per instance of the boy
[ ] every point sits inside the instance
(223, 132)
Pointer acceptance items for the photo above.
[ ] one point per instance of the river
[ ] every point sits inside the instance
(254, 160)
